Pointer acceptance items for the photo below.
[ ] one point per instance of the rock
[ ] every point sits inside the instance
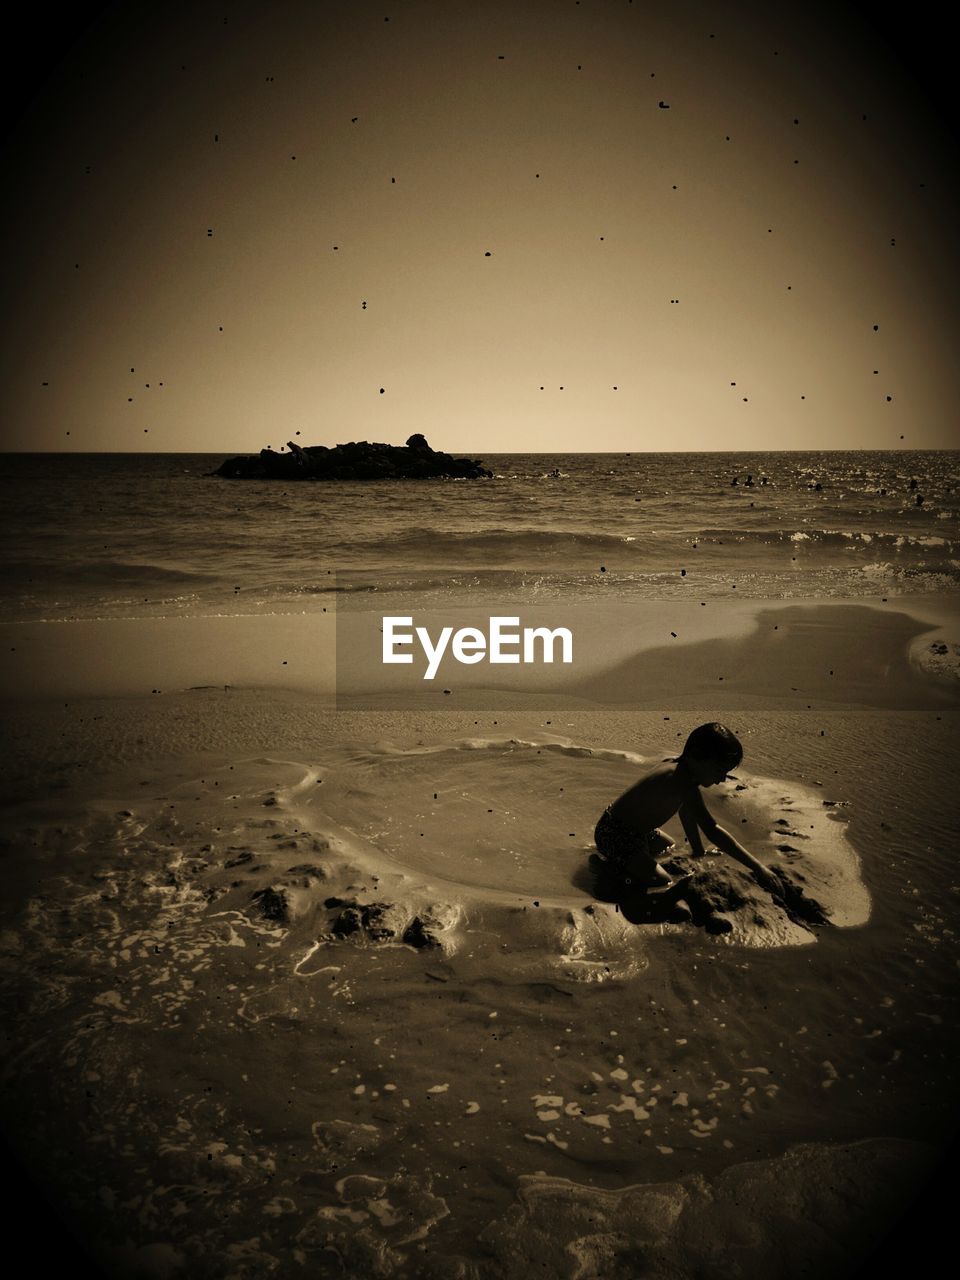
(418, 935)
(392, 922)
(376, 921)
(717, 923)
(348, 921)
(356, 460)
(305, 873)
(272, 904)
(380, 921)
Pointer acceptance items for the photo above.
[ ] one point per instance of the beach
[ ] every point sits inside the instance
(419, 422)
(292, 987)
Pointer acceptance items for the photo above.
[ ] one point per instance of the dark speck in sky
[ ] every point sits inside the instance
(875, 185)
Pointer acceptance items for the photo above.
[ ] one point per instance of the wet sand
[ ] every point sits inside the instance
(645, 654)
(289, 988)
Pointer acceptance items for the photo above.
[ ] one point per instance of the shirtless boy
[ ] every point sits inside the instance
(628, 838)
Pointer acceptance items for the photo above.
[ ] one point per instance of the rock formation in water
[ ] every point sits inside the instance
(358, 460)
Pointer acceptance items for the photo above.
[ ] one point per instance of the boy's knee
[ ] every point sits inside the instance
(659, 842)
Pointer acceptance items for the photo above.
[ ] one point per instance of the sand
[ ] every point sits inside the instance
(257, 1022)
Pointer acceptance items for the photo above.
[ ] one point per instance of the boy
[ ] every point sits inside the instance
(628, 838)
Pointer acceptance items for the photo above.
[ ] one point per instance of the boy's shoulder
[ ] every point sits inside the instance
(664, 779)
(666, 766)
(658, 775)
(667, 771)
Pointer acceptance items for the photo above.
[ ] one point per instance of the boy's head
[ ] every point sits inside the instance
(710, 752)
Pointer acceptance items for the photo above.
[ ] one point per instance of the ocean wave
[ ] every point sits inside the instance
(915, 577)
(519, 540)
(841, 538)
(116, 573)
(525, 544)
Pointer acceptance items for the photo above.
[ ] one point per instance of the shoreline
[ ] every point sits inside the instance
(676, 649)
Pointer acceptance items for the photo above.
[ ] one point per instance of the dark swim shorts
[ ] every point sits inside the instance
(616, 843)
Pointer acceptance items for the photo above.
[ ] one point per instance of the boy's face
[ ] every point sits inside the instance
(706, 772)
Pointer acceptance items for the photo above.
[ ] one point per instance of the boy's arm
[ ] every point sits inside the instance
(699, 814)
(691, 831)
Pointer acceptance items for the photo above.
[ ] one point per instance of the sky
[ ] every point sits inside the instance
(547, 225)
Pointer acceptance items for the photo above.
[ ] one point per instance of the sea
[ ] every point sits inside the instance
(153, 535)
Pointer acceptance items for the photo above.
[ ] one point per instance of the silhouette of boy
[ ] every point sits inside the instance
(628, 836)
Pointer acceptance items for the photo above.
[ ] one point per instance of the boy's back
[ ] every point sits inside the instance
(653, 800)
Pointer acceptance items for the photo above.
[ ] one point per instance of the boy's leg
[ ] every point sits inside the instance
(641, 865)
(627, 864)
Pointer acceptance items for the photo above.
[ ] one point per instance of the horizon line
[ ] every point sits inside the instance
(502, 453)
